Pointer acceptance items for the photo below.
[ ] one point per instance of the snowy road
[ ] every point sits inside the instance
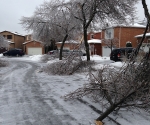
(21, 100)
(30, 97)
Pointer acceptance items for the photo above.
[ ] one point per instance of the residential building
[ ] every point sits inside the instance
(121, 33)
(94, 35)
(33, 47)
(94, 40)
(146, 43)
(95, 47)
(15, 40)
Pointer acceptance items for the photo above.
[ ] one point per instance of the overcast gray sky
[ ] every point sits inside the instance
(12, 11)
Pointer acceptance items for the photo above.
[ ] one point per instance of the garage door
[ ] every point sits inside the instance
(35, 51)
(106, 51)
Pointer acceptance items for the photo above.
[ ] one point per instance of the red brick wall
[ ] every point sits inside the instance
(146, 40)
(125, 34)
(97, 49)
(95, 35)
(128, 34)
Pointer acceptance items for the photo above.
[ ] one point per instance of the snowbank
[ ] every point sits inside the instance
(1, 55)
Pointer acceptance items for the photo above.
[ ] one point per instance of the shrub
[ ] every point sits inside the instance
(67, 66)
(3, 63)
(46, 58)
(127, 87)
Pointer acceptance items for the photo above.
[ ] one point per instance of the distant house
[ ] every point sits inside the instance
(94, 35)
(33, 47)
(146, 44)
(122, 33)
(16, 40)
(69, 45)
(11, 44)
(94, 40)
(95, 47)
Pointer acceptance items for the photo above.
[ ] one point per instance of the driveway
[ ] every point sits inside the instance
(31, 97)
(21, 99)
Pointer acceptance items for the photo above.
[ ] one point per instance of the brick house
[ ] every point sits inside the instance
(94, 40)
(94, 35)
(33, 47)
(15, 40)
(146, 44)
(123, 33)
(95, 47)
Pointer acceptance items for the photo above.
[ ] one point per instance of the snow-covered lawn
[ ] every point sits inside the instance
(83, 113)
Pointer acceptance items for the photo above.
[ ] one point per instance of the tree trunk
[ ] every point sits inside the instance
(146, 12)
(86, 45)
(106, 113)
(62, 45)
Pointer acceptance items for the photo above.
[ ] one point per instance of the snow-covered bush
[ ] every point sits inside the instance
(67, 66)
(3, 63)
(46, 58)
(140, 56)
(3, 42)
(115, 89)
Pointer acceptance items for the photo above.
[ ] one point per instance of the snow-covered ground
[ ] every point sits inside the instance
(81, 112)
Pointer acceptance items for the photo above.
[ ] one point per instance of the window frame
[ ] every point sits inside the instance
(9, 36)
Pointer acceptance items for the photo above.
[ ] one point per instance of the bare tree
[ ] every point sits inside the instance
(3, 42)
(128, 87)
(146, 11)
(90, 12)
(52, 21)
(57, 17)
(69, 27)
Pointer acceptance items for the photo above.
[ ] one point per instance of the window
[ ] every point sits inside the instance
(9, 36)
(4, 36)
(109, 33)
(92, 36)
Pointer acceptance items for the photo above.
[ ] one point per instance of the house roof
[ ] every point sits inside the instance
(135, 25)
(13, 33)
(94, 41)
(31, 41)
(147, 34)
